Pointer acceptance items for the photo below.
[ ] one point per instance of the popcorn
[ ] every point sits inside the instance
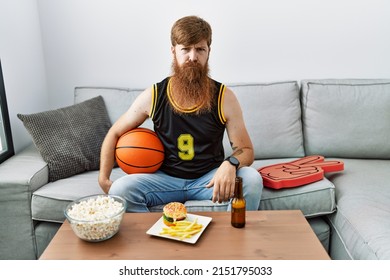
(96, 218)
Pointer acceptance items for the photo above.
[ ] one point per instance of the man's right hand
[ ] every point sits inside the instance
(105, 184)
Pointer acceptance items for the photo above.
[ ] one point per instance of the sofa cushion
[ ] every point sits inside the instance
(272, 115)
(69, 139)
(50, 201)
(363, 209)
(117, 100)
(314, 199)
(347, 118)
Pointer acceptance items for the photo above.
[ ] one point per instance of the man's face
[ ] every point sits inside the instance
(194, 53)
(190, 81)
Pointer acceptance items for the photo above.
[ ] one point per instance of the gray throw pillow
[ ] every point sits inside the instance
(69, 139)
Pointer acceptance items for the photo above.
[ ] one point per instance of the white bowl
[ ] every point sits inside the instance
(97, 217)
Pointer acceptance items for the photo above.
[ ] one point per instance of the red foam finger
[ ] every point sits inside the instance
(298, 172)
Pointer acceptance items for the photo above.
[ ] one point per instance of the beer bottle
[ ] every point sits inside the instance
(238, 205)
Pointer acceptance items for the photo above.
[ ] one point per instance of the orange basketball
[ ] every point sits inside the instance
(139, 151)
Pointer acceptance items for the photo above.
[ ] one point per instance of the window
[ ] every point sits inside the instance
(6, 144)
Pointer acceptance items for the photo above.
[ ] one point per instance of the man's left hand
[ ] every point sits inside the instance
(223, 182)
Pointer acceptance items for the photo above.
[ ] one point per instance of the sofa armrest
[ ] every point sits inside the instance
(20, 176)
(26, 168)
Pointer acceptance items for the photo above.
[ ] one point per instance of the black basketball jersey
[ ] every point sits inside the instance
(193, 142)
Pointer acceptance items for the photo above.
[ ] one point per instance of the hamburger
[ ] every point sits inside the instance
(174, 211)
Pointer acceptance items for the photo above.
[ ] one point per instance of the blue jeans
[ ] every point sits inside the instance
(145, 190)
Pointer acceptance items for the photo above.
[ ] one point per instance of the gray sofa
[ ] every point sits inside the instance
(347, 120)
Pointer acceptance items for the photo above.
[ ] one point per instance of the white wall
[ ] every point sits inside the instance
(126, 43)
(22, 61)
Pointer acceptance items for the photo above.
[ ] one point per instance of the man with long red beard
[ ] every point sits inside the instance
(190, 112)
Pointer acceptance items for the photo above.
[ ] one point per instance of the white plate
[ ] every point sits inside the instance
(159, 225)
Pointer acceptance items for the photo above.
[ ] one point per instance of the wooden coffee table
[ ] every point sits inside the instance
(267, 235)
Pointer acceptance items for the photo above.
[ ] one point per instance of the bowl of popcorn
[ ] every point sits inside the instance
(96, 218)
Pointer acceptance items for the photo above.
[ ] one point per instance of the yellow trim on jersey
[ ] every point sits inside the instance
(154, 102)
(221, 97)
(177, 106)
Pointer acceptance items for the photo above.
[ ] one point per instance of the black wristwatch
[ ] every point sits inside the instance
(233, 161)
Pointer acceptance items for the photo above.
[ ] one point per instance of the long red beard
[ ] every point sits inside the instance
(191, 86)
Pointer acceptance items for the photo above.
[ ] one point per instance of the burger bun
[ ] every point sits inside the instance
(174, 211)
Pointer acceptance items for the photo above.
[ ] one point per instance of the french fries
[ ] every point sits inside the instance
(183, 229)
